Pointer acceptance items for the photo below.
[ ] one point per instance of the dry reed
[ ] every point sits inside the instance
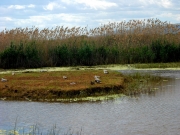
(120, 35)
(135, 32)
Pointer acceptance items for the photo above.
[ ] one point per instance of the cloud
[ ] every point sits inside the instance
(16, 7)
(97, 4)
(31, 6)
(52, 5)
(50, 13)
(44, 21)
(160, 3)
(171, 15)
(166, 3)
(20, 6)
(92, 4)
(6, 18)
(5, 21)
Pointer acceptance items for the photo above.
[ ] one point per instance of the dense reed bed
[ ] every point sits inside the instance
(135, 41)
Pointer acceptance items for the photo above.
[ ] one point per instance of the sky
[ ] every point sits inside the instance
(83, 13)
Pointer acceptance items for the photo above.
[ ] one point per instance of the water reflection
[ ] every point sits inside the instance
(155, 113)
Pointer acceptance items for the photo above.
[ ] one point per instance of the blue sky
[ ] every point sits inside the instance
(91, 13)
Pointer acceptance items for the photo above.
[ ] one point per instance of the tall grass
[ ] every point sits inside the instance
(135, 41)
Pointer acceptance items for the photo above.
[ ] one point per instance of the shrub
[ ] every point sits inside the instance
(86, 54)
(60, 55)
(9, 57)
(18, 56)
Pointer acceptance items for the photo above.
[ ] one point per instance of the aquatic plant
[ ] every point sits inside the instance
(137, 83)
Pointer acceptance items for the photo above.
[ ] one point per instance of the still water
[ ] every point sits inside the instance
(148, 114)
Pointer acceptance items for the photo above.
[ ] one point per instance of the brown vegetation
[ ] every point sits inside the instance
(133, 32)
(52, 85)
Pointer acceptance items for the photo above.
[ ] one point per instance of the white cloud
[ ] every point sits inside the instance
(166, 3)
(16, 7)
(70, 17)
(6, 19)
(97, 4)
(52, 5)
(20, 6)
(93, 4)
(161, 3)
(45, 21)
(171, 15)
(49, 13)
(31, 6)
(61, 16)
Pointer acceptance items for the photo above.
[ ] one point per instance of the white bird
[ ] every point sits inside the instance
(3, 80)
(72, 83)
(27, 99)
(97, 80)
(105, 71)
(64, 77)
(13, 73)
(3, 98)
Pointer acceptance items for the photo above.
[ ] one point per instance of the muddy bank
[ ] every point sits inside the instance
(58, 95)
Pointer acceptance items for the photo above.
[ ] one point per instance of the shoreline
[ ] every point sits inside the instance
(117, 67)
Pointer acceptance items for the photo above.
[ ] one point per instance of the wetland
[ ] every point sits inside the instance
(73, 83)
(80, 98)
(146, 113)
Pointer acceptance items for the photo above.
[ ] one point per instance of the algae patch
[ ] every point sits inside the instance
(83, 99)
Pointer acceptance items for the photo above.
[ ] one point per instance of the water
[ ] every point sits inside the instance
(151, 114)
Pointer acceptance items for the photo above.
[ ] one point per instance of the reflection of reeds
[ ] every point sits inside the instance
(122, 42)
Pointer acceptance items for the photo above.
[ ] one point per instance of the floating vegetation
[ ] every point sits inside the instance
(84, 99)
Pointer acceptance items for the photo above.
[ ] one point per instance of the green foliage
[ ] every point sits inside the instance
(17, 56)
(164, 51)
(87, 53)
(101, 55)
(60, 55)
(32, 55)
(9, 57)
(113, 56)
(146, 55)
